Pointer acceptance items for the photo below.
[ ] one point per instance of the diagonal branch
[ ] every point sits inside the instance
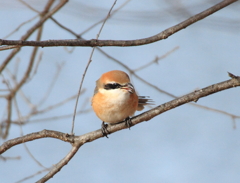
(95, 42)
(78, 141)
(34, 136)
(62, 163)
(91, 136)
(88, 64)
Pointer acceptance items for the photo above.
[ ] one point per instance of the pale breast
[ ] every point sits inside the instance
(113, 105)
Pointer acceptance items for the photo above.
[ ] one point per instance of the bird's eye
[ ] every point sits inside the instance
(111, 86)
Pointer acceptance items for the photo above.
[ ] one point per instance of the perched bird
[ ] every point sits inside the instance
(115, 99)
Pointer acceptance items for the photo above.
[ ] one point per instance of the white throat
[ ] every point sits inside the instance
(116, 95)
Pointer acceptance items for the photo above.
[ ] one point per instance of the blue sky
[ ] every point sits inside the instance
(186, 144)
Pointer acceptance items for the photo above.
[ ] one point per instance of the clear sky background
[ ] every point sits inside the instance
(186, 144)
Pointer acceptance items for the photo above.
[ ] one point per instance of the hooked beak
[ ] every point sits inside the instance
(129, 87)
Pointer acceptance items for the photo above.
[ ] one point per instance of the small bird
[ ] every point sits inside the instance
(115, 99)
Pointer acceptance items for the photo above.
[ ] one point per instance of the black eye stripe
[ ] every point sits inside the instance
(112, 86)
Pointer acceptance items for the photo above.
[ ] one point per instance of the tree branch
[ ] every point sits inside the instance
(34, 136)
(78, 141)
(91, 136)
(59, 166)
(35, 27)
(94, 42)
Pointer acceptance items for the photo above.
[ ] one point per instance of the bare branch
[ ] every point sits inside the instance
(19, 85)
(53, 82)
(31, 30)
(2, 48)
(45, 15)
(8, 121)
(80, 140)
(30, 7)
(156, 60)
(33, 175)
(5, 158)
(58, 104)
(21, 131)
(89, 61)
(62, 163)
(65, 28)
(30, 66)
(123, 43)
(33, 136)
(18, 29)
(37, 64)
(110, 15)
(50, 118)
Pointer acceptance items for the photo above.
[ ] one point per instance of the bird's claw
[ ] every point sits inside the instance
(105, 132)
(128, 122)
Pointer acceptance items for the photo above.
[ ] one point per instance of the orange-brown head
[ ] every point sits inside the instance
(112, 77)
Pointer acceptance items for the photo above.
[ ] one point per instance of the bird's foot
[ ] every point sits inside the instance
(128, 122)
(105, 132)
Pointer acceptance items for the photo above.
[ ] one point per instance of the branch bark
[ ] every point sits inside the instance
(94, 42)
(78, 141)
(91, 136)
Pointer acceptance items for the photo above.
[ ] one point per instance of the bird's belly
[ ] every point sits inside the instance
(113, 111)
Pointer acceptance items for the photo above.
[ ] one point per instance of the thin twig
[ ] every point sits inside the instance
(59, 165)
(85, 71)
(30, 7)
(95, 24)
(35, 111)
(19, 85)
(14, 79)
(22, 24)
(2, 48)
(81, 111)
(156, 60)
(21, 132)
(31, 30)
(58, 104)
(36, 67)
(33, 175)
(5, 158)
(53, 82)
(30, 66)
(8, 121)
(9, 109)
(65, 28)
(53, 118)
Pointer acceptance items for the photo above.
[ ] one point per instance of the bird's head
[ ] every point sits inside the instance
(115, 80)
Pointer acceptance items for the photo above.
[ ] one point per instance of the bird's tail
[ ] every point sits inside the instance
(144, 100)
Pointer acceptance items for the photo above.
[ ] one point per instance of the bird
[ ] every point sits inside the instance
(115, 99)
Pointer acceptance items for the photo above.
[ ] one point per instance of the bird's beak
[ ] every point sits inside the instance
(129, 87)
